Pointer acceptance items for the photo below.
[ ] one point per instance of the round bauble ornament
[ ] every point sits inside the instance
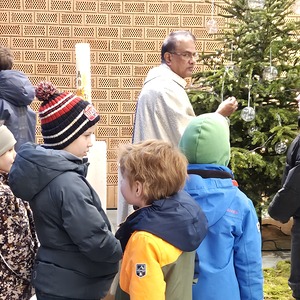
(248, 114)
(270, 73)
(280, 147)
(212, 26)
(256, 4)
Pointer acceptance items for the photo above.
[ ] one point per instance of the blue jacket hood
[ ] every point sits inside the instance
(44, 165)
(214, 207)
(178, 220)
(16, 88)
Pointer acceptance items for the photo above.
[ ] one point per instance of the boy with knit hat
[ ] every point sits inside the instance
(79, 255)
(17, 233)
(230, 254)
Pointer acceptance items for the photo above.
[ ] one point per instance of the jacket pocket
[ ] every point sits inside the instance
(52, 279)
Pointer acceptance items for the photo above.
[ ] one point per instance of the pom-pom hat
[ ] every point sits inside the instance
(64, 116)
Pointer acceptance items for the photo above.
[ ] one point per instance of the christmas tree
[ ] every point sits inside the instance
(258, 63)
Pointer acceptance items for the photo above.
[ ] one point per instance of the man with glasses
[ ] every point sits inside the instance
(163, 108)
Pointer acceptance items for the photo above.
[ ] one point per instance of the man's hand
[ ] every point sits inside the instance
(227, 107)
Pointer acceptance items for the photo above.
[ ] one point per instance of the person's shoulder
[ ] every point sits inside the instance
(160, 85)
(73, 181)
(7, 198)
(158, 75)
(293, 155)
(152, 90)
(243, 200)
(13, 73)
(5, 190)
(17, 77)
(70, 176)
(143, 235)
(144, 239)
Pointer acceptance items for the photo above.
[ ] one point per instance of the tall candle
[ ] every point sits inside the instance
(83, 71)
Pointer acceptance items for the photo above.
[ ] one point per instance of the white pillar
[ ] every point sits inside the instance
(97, 170)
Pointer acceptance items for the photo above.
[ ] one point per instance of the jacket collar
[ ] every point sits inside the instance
(178, 220)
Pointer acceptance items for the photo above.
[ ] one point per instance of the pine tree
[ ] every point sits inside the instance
(258, 63)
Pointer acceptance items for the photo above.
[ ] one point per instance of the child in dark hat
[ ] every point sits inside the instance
(79, 254)
(63, 116)
(17, 233)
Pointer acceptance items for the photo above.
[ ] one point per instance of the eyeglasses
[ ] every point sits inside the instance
(187, 55)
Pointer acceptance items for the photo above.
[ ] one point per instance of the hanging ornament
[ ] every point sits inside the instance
(296, 7)
(232, 69)
(252, 130)
(279, 119)
(256, 4)
(256, 77)
(280, 147)
(270, 73)
(248, 114)
(211, 25)
(223, 84)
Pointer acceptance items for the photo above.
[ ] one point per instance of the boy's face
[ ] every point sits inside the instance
(80, 147)
(132, 194)
(6, 160)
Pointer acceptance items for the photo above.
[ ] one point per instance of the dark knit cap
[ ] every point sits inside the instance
(64, 116)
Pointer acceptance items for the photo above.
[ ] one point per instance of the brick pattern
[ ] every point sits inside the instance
(125, 39)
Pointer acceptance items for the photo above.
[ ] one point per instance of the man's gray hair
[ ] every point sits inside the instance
(169, 44)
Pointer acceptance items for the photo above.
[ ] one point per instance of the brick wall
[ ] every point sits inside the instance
(125, 39)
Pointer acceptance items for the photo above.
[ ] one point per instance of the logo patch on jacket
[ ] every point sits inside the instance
(140, 270)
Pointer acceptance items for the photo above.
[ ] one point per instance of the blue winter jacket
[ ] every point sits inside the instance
(230, 254)
(16, 94)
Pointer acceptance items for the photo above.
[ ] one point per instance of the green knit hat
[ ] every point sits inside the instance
(206, 140)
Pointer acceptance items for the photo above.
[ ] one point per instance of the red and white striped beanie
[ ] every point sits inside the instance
(64, 116)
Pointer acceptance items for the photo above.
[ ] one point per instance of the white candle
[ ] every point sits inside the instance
(97, 154)
(83, 71)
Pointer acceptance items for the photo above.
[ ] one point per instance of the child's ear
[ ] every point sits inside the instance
(138, 189)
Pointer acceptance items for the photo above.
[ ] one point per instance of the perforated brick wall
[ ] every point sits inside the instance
(125, 39)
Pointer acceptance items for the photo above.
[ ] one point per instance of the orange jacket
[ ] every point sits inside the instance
(153, 269)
